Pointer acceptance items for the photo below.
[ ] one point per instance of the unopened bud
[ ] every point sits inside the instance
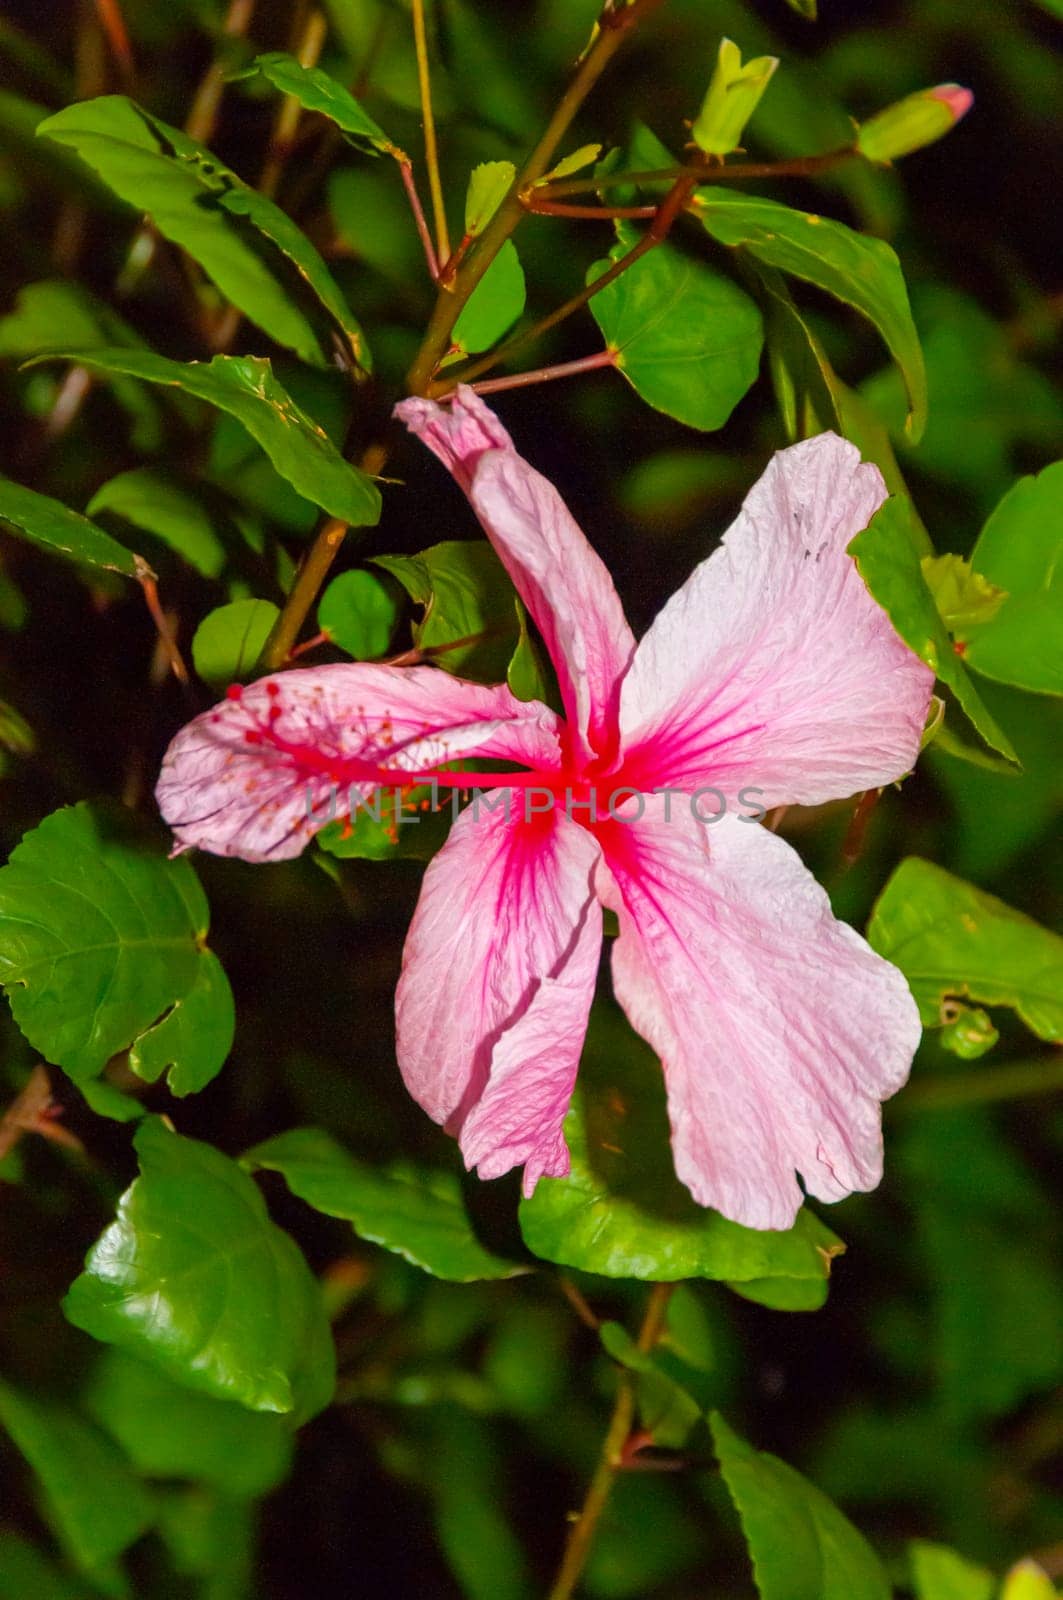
(731, 99)
(913, 122)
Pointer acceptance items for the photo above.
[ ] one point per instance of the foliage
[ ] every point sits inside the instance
(262, 1336)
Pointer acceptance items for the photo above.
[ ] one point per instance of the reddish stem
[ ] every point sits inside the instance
(423, 232)
(564, 369)
(558, 208)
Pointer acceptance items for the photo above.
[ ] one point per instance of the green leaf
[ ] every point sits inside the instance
(968, 1032)
(801, 1545)
(622, 1212)
(1021, 549)
(91, 1499)
(420, 1215)
(686, 338)
(888, 554)
(525, 675)
(25, 1572)
(489, 183)
(1028, 1581)
(316, 90)
(393, 824)
(467, 595)
(492, 308)
(733, 95)
(802, 377)
(804, 8)
(666, 1410)
(53, 526)
(359, 612)
(169, 1432)
(194, 1277)
(940, 1574)
(858, 270)
(193, 199)
(583, 157)
(964, 598)
(160, 506)
(103, 947)
(953, 941)
(229, 641)
(245, 387)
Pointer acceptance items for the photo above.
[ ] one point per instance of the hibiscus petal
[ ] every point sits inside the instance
(562, 581)
(778, 1027)
(257, 776)
(498, 974)
(772, 666)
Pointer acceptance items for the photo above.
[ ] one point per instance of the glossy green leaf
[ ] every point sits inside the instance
(317, 90)
(888, 554)
(359, 612)
(858, 270)
(686, 338)
(953, 941)
(493, 307)
(229, 641)
(941, 1574)
(801, 1545)
(417, 1214)
(194, 1277)
(666, 1410)
(160, 506)
(803, 379)
(193, 199)
(53, 526)
(467, 596)
(167, 1431)
(92, 1500)
(103, 949)
(1020, 549)
(489, 183)
(245, 388)
(623, 1213)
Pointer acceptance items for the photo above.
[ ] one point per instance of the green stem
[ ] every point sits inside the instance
(1010, 1081)
(614, 27)
(796, 167)
(585, 1527)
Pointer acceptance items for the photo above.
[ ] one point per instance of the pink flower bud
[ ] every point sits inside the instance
(914, 122)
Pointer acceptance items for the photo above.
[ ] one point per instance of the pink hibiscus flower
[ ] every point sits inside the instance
(773, 670)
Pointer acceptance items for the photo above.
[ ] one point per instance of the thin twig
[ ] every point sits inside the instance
(110, 15)
(563, 369)
(431, 149)
(423, 233)
(33, 1111)
(203, 113)
(149, 588)
(795, 167)
(578, 1303)
(611, 1460)
(559, 208)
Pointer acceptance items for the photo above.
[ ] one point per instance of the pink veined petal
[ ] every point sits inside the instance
(779, 1029)
(258, 775)
(498, 972)
(519, 1118)
(562, 581)
(772, 666)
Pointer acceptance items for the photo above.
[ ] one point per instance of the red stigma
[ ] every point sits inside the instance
(234, 691)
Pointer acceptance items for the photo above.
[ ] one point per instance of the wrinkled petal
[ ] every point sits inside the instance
(258, 775)
(497, 978)
(773, 667)
(562, 581)
(778, 1027)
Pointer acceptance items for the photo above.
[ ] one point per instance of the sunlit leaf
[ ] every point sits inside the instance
(192, 198)
(245, 387)
(489, 183)
(1020, 549)
(686, 338)
(954, 941)
(359, 612)
(493, 307)
(1028, 1581)
(195, 1278)
(941, 1574)
(415, 1213)
(92, 1499)
(861, 271)
(56, 528)
(583, 157)
(317, 90)
(964, 597)
(229, 641)
(103, 948)
(801, 1546)
(623, 1213)
(888, 554)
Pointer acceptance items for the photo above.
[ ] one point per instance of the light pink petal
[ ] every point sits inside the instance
(562, 581)
(778, 1027)
(497, 979)
(258, 775)
(773, 667)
